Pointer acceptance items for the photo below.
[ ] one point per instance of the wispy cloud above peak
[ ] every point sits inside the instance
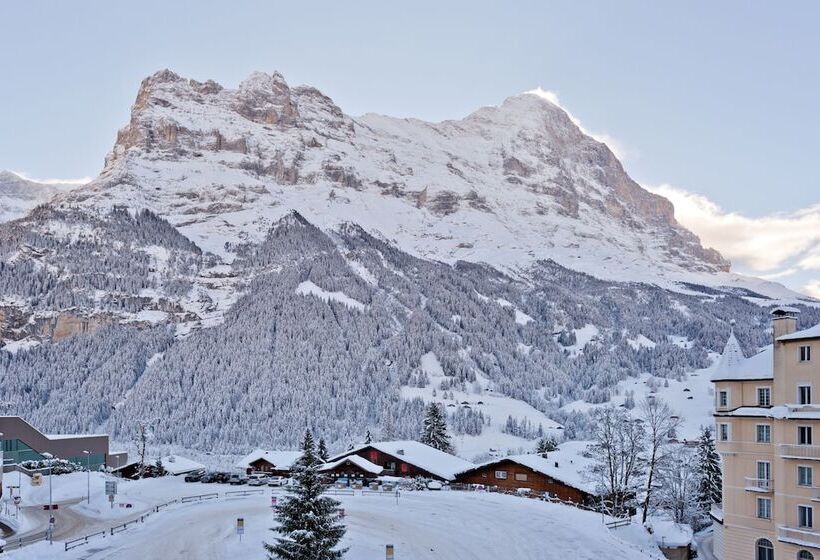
(78, 181)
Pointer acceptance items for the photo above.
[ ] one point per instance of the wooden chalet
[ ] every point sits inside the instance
(408, 459)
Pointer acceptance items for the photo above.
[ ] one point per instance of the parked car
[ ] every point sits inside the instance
(194, 476)
(222, 477)
(237, 479)
(434, 485)
(208, 477)
(276, 480)
(257, 480)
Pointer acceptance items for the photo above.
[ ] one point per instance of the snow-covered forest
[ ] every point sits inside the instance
(329, 327)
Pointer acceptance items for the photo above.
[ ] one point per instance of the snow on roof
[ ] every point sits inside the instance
(357, 460)
(784, 309)
(790, 411)
(72, 436)
(175, 464)
(812, 332)
(279, 459)
(734, 366)
(566, 464)
(422, 456)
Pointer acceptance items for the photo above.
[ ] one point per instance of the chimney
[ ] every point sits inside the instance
(784, 321)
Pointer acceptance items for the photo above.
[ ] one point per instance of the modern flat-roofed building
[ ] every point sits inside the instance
(766, 414)
(23, 442)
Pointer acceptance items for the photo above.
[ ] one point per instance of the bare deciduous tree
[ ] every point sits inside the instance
(661, 424)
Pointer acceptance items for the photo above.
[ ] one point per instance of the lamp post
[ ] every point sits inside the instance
(50, 459)
(88, 473)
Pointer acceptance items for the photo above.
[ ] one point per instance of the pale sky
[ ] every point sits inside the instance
(713, 104)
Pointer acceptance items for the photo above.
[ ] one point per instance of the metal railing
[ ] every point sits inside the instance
(241, 493)
(82, 540)
(20, 542)
(759, 484)
(199, 497)
(800, 536)
(792, 451)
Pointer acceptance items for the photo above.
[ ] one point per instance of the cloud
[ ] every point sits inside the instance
(762, 244)
(621, 151)
(80, 181)
(812, 288)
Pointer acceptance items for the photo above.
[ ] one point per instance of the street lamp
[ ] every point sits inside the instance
(88, 473)
(50, 459)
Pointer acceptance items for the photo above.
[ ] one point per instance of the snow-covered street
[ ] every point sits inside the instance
(421, 525)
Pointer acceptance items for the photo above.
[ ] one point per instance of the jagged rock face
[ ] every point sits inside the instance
(506, 185)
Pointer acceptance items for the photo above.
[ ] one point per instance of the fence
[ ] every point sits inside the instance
(166, 504)
(614, 524)
(20, 542)
(391, 493)
(199, 498)
(82, 540)
(341, 492)
(238, 493)
(123, 526)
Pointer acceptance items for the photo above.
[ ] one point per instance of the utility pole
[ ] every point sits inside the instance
(50, 459)
(88, 473)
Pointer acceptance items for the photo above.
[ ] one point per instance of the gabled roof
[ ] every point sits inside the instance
(360, 462)
(812, 332)
(566, 464)
(734, 366)
(175, 464)
(280, 459)
(417, 454)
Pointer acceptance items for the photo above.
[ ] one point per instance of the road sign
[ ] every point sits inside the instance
(111, 487)
(273, 501)
(240, 527)
(388, 552)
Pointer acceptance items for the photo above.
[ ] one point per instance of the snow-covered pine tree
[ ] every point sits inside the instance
(545, 445)
(309, 523)
(322, 450)
(710, 489)
(367, 438)
(434, 429)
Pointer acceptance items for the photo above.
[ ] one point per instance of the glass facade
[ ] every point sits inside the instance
(16, 451)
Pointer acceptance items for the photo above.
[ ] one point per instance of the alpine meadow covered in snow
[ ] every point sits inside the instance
(271, 328)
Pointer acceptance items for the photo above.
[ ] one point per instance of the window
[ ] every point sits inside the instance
(804, 394)
(764, 396)
(804, 476)
(723, 432)
(805, 353)
(521, 476)
(764, 433)
(805, 555)
(501, 475)
(805, 516)
(723, 399)
(764, 472)
(765, 550)
(804, 435)
(764, 508)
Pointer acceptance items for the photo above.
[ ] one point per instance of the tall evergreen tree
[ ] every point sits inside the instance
(545, 445)
(367, 438)
(309, 523)
(434, 429)
(322, 450)
(710, 489)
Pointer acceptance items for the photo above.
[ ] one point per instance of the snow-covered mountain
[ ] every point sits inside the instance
(256, 257)
(19, 196)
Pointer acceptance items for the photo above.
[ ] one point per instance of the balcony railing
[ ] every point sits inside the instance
(799, 536)
(759, 484)
(790, 451)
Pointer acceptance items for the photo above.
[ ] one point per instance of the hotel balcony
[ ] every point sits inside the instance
(790, 451)
(799, 536)
(759, 484)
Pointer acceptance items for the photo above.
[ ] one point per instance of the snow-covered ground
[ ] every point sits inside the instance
(421, 525)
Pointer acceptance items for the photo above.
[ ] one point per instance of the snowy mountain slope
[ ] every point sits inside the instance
(507, 185)
(18, 196)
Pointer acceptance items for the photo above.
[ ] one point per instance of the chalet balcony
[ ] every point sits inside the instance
(790, 451)
(759, 484)
(800, 536)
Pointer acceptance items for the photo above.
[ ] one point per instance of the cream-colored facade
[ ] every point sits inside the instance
(767, 415)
